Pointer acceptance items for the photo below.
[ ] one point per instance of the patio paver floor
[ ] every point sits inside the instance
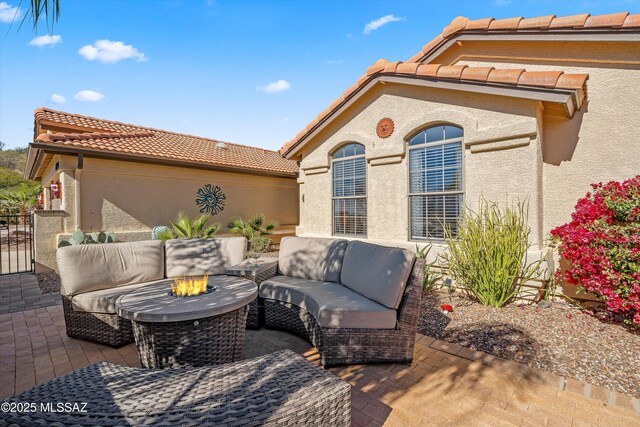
(446, 385)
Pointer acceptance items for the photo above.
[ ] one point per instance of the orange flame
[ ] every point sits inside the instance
(189, 286)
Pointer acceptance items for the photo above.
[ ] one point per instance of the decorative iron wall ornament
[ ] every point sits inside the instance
(210, 199)
(385, 127)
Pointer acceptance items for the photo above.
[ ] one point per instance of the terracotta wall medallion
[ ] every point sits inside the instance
(385, 128)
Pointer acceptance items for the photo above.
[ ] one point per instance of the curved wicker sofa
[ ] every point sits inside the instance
(307, 298)
(279, 389)
(93, 276)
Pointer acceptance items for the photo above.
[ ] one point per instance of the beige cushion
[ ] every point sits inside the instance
(377, 272)
(86, 268)
(104, 300)
(311, 258)
(197, 257)
(331, 304)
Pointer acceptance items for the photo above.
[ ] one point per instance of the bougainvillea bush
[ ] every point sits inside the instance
(602, 245)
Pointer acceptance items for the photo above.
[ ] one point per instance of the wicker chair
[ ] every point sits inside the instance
(352, 346)
(279, 389)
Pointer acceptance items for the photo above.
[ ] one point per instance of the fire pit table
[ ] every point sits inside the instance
(206, 329)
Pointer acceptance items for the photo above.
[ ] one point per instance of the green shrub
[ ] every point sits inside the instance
(183, 227)
(249, 228)
(488, 256)
(431, 275)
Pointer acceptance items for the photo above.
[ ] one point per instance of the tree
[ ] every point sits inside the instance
(21, 199)
(47, 10)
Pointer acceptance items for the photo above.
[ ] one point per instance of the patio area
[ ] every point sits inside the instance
(446, 384)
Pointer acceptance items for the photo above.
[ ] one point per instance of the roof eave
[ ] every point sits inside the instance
(566, 35)
(50, 148)
(568, 98)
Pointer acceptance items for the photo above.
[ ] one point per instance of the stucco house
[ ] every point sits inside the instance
(106, 175)
(535, 108)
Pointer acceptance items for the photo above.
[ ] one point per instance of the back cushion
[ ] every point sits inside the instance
(311, 258)
(378, 272)
(197, 257)
(86, 268)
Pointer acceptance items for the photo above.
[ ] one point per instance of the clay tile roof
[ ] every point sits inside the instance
(451, 71)
(117, 137)
(513, 77)
(505, 24)
(517, 77)
(476, 73)
(541, 23)
(407, 68)
(632, 21)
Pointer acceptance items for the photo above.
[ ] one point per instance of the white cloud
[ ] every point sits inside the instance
(46, 40)
(110, 51)
(335, 61)
(58, 99)
(8, 14)
(88, 95)
(375, 24)
(274, 87)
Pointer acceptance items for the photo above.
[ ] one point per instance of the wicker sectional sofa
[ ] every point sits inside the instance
(356, 302)
(94, 276)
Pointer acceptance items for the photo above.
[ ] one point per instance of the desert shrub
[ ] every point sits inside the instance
(602, 245)
(251, 227)
(488, 256)
(432, 275)
(183, 227)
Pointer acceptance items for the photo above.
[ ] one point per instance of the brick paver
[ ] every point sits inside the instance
(20, 292)
(439, 388)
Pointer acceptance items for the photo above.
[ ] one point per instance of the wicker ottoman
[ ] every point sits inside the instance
(280, 389)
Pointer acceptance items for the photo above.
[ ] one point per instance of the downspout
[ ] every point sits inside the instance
(78, 174)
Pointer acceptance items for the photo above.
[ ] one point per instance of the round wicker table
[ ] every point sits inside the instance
(201, 330)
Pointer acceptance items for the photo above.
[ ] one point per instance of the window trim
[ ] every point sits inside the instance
(409, 193)
(366, 190)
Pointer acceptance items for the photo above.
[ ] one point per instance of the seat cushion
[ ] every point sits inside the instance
(104, 300)
(311, 258)
(197, 257)
(86, 268)
(331, 304)
(377, 272)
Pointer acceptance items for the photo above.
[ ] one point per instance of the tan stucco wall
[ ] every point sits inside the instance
(131, 198)
(126, 196)
(600, 143)
(508, 169)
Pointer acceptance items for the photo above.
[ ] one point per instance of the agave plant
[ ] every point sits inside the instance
(252, 227)
(431, 275)
(81, 238)
(183, 227)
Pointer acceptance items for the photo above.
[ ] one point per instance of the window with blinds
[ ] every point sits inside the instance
(435, 182)
(349, 196)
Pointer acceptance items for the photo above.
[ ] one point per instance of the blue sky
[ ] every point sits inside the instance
(249, 72)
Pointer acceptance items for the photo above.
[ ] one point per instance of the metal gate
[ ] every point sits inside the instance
(16, 244)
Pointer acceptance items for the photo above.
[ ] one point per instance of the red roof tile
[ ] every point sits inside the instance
(542, 23)
(116, 137)
(514, 77)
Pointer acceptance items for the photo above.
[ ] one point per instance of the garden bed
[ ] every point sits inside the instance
(563, 340)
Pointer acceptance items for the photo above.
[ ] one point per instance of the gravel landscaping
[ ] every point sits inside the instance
(563, 340)
(49, 282)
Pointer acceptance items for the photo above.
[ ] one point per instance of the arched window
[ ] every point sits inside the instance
(349, 196)
(435, 182)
